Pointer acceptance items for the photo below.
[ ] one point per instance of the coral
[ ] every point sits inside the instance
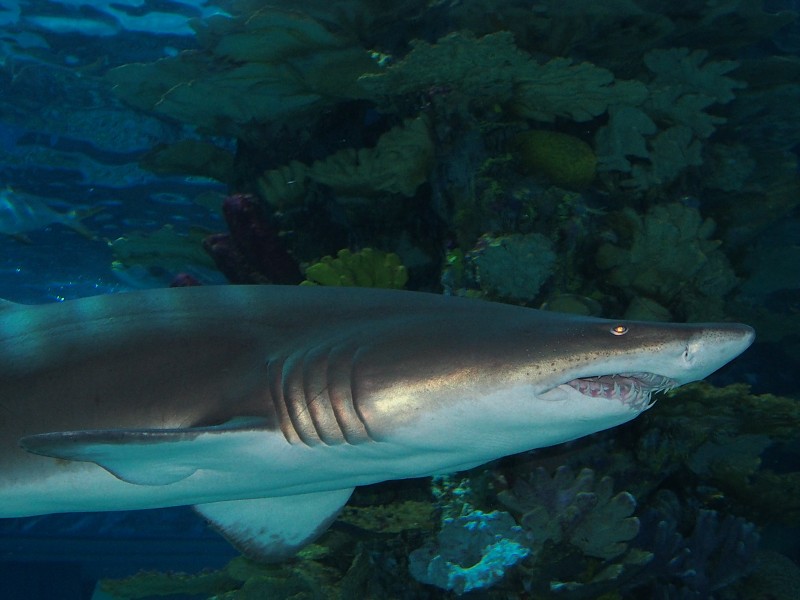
(646, 309)
(745, 428)
(365, 268)
(565, 160)
(695, 274)
(671, 152)
(719, 552)
(240, 579)
(578, 92)
(268, 66)
(738, 456)
(190, 157)
(775, 576)
(623, 137)
(482, 67)
(732, 165)
(513, 266)
(471, 552)
(574, 509)
(285, 185)
(684, 85)
(493, 69)
(398, 164)
(390, 518)
(665, 132)
(252, 251)
(149, 584)
(574, 304)
(154, 258)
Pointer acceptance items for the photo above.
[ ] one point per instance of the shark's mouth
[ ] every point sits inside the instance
(631, 389)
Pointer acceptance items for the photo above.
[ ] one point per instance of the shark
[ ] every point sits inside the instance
(21, 213)
(263, 407)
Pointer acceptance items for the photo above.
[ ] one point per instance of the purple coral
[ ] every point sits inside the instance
(252, 251)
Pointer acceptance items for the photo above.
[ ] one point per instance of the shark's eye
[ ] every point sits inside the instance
(619, 330)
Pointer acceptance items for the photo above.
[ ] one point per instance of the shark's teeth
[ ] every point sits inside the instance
(631, 389)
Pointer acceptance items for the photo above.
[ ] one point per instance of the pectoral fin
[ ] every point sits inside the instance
(274, 529)
(143, 456)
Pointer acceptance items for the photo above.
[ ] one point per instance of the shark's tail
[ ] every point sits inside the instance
(74, 217)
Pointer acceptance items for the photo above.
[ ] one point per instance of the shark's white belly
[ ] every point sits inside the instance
(253, 464)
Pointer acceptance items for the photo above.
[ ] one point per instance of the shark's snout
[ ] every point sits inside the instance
(713, 346)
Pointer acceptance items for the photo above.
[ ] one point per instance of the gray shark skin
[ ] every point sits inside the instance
(264, 406)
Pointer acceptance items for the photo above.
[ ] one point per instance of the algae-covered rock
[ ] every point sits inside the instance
(366, 268)
(565, 160)
(149, 584)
